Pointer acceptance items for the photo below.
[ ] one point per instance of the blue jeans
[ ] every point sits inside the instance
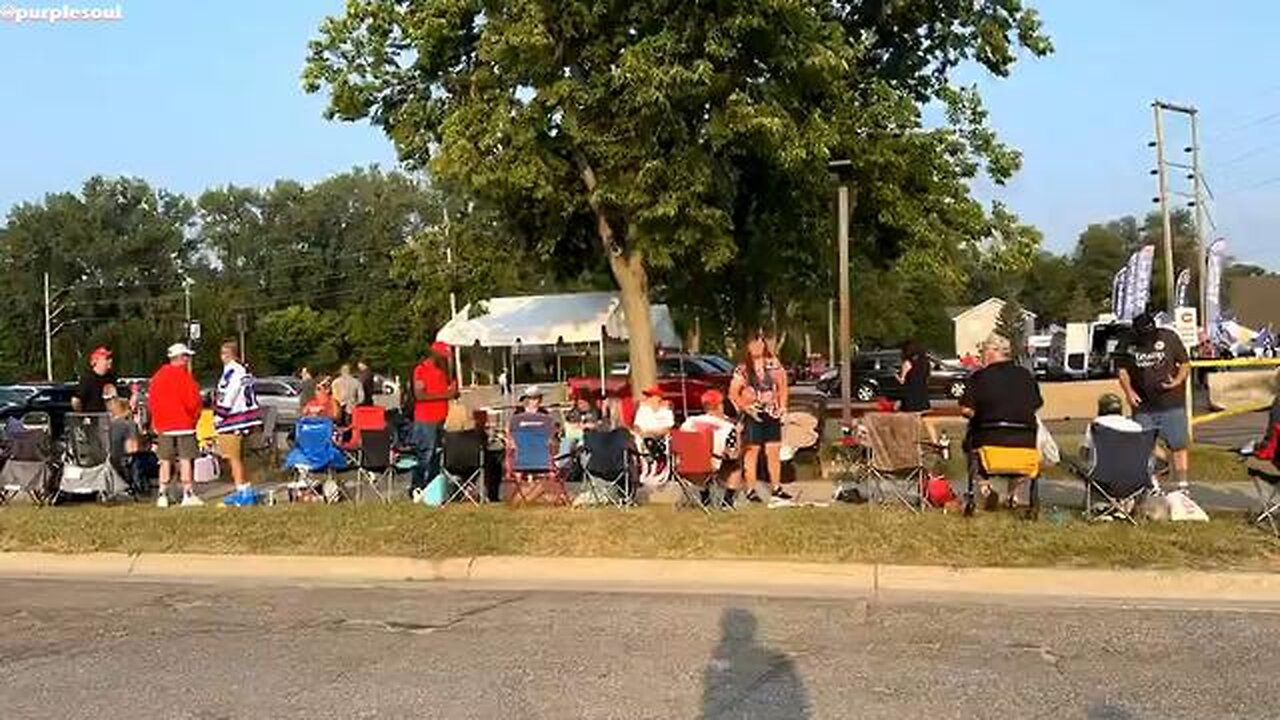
(425, 438)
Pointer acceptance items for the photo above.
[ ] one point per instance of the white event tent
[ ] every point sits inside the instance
(534, 320)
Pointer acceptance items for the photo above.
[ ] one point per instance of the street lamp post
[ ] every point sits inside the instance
(841, 169)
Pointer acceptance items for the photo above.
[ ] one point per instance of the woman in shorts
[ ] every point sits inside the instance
(759, 392)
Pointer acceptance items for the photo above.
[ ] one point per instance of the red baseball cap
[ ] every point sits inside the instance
(441, 348)
(100, 351)
(651, 390)
(712, 397)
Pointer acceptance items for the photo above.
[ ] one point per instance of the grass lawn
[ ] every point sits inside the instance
(837, 534)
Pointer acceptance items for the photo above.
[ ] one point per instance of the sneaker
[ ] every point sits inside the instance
(162, 500)
(192, 500)
(752, 496)
(416, 496)
(781, 494)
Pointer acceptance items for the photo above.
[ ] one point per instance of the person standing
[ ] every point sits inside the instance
(913, 376)
(174, 399)
(759, 391)
(368, 383)
(1153, 370)
(236, 414)
(348, 391)
(433, 388)
(306, 386)
(97, 385)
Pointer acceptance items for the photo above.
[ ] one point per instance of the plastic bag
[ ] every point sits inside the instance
(1183, 509)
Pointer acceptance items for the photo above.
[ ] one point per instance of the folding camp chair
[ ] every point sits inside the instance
(695, 468)
(364, 418)
(87, 469)
(32, 465)
(897, 457)
(375, 466)
(314, 451)
(1119, 471)
(606, 456)
(262, 443)
(531, 461)
(1266, 478)
(462, 463)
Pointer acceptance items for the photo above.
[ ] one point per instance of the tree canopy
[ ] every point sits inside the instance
(353, 266)
(687, 141)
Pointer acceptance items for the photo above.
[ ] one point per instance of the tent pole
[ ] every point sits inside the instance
(684, 390)
(603, 394)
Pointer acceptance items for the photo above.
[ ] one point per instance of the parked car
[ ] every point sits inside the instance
(875, 375)
(52, 398)
(281, 392)
(682, 377)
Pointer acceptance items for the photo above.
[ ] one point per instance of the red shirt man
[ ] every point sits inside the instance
(433, 388)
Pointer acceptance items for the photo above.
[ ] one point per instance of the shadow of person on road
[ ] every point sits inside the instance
(745, 680)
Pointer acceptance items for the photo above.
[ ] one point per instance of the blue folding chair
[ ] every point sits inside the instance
(315, 451)
(532, 468)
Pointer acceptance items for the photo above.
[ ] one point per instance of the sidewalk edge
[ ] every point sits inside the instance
(732, 576)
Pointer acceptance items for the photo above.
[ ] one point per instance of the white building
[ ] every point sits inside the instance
(974, 324)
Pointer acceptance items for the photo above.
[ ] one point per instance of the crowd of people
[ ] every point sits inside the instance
(1001, 403)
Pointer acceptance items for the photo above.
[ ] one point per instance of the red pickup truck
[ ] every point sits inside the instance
(682, 377)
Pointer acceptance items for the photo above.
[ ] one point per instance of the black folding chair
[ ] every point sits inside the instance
(374, 466)
(607, 470)
(1119, 470)
(463, 465)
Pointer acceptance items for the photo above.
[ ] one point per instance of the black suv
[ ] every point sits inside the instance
(875, 374)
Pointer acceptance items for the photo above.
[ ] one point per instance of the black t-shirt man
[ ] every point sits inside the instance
(1002, 392)
(94, 390)
(1151, 357)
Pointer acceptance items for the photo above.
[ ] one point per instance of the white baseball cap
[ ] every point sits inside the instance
(531, 392)
(179, 349)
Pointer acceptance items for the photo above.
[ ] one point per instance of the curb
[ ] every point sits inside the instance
(652, 575)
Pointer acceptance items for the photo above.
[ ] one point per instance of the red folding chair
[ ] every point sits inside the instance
(695, 468)
(365, 417)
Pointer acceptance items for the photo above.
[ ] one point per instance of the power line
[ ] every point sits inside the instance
(1255, 186)
(1263, 120)
(1247, 155)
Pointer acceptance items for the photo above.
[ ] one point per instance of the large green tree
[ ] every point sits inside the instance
(675, 134)
(115, 254)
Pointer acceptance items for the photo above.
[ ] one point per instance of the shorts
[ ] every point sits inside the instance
(765, 431)
(183, 447)
(231, 445)
(1170, 425)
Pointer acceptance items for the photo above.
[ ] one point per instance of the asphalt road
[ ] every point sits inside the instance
(73, 649)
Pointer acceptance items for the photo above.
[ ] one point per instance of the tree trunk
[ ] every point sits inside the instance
(633, 289)
(633, 286)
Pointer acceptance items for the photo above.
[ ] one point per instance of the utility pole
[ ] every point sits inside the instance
(241, 326)
(453, 297)
(831, 332)
(186, 305)
(1201, 260)
(48, 333)
(1163, 199)
(842, 168)
(51, 314)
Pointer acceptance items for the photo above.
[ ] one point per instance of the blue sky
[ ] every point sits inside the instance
(194, 94)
